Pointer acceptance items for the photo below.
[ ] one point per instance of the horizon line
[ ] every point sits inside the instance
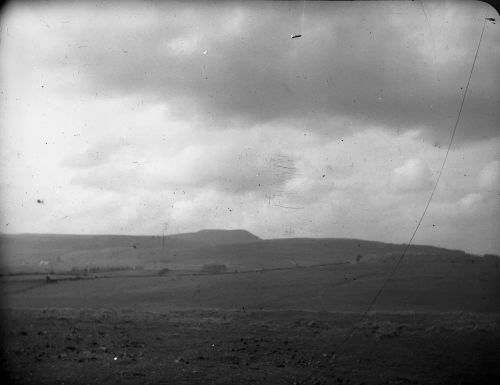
(239, 229)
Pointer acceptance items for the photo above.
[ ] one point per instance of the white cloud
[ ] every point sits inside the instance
(413, 175)
(470, 200)
(489, 177)
(96, 155)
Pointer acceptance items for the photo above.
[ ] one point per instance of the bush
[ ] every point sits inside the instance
(164, 271)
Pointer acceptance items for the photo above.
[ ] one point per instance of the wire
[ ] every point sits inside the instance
(401, 257)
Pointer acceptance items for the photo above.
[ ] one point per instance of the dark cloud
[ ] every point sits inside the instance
(377, 63)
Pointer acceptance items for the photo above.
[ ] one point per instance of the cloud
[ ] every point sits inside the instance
(191, 185)
(470, 200)
(227, 168)
(109, 178)
(470, 223)
(413, 175)
(93, 156)
(489, 177)
(233, 161)
(347, 63)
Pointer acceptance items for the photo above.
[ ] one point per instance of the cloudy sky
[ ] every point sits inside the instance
(123, 117)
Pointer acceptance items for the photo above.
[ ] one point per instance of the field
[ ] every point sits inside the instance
(262, 320)
(220, 347)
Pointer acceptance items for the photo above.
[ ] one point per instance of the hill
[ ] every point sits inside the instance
(217, 237)
(238, 250)
(28, 253)
(40, 252)
(290, 252)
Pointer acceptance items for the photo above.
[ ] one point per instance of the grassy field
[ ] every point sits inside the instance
(438, 285)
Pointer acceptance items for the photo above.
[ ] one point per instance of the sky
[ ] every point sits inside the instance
(148, 117)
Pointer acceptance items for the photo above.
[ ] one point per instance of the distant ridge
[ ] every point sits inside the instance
(214, 237)
(238, 250)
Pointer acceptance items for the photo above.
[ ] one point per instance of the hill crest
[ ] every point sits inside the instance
(214, 237)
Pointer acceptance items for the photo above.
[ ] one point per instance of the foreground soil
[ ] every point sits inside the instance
(93, 346)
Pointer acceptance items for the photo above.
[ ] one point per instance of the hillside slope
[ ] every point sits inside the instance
(237, 249)
(289, 252)
(217, 237)
(40, 252)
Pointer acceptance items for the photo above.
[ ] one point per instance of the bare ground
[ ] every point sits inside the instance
(95, 346)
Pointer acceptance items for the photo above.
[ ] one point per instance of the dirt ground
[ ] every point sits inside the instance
(70, 346)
